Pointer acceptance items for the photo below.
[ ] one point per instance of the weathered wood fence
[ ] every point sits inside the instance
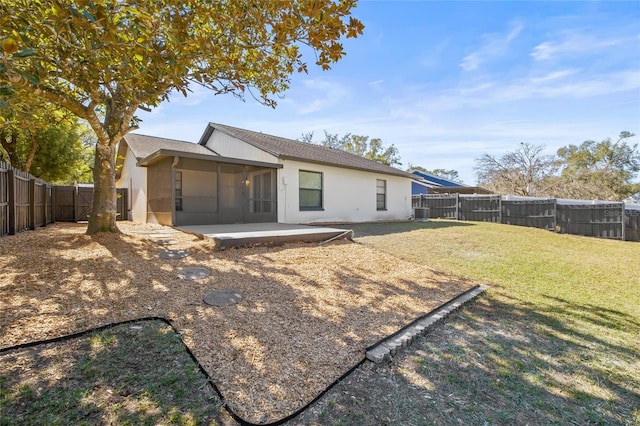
(591, 218)
(27, 202)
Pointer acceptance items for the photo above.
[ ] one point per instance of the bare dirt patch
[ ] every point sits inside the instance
(306, 316)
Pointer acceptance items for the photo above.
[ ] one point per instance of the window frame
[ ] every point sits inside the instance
(383, 194)
(320, 207)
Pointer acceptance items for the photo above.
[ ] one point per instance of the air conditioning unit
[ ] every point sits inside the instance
(421, 213)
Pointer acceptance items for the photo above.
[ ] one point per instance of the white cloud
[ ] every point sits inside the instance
(571, 43)
(323, 94)
(495, 45)
(377, 85)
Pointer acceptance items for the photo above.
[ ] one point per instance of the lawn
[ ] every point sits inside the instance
(554, 340)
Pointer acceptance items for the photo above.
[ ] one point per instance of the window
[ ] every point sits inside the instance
(310, 190)
(178, 191)
(381, 194)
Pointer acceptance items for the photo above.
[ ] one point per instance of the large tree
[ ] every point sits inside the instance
(524, 171)
(599, 170)
(103, 59)
(39, 137)
(373, 149)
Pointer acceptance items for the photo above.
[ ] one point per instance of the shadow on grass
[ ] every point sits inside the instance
(386, 228)
(498, 361)
(137, 373)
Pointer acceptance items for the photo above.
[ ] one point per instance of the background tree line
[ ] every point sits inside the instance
(592, 170)
(47, 141)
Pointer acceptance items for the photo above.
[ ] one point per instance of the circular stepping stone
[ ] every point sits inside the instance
(193, 273)
(165, 242)
(173, 254)
(223, 297)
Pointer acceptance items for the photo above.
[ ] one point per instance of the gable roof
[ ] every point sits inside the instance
(142, 146)
(296, 150)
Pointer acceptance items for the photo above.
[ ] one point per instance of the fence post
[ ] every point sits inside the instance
(11, 200)
(45, 203)
(457, 206)
(32, 204)
(75, 203)
(499, 208)
(555, 215)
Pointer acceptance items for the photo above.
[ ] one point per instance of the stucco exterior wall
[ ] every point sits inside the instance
(135, 180)
(348, 195)
(228, 146)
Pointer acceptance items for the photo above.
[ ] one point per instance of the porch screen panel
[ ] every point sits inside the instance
(199, 191)
(262, 195)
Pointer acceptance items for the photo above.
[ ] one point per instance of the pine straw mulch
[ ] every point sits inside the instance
(307, 315)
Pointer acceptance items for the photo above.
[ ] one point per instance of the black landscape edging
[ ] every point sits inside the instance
(210, 380)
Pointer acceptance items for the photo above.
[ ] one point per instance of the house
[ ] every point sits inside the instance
(427, 183)
(234, 175)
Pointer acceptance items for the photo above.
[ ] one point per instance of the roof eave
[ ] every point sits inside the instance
(399, 173)
(163, 153)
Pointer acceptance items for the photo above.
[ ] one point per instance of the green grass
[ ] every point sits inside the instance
(556, 339)
(133, 374)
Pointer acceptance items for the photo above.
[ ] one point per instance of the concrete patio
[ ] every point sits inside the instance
(246, 234)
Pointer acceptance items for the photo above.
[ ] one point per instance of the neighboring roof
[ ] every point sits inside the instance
(292, 149)
(436, 180)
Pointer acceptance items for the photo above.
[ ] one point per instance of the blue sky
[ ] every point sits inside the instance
(446, 82)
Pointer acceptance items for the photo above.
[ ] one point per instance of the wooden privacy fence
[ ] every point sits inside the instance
(27, 202)
(73, 203)
(590, 218)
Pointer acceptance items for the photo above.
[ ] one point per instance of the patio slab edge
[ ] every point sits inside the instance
(223, 242)
(388, 347)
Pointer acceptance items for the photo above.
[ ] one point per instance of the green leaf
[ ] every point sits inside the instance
(24, 53)
(30, 77)
(89, 16)
(3, 104)
(6, 91)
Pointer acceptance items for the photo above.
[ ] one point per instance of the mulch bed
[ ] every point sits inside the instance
(307, 312)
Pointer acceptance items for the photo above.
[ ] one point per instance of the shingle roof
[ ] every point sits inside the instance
(142, 146)
(289, 148)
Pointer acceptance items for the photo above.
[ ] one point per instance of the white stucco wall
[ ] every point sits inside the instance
(348, 195)
(228, 146)
(135, 179)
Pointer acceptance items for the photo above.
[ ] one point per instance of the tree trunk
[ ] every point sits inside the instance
(103, 213)
(9, 142)
(32, 154)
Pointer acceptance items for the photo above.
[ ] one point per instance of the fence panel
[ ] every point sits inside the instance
(632, 224)
(603, 220)
(84, 203)
(64, 209)
(22, 201)
(479, 208)
(73, 203)
(4, 199)
(533, 213)
(443, 206)
(39, 203)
